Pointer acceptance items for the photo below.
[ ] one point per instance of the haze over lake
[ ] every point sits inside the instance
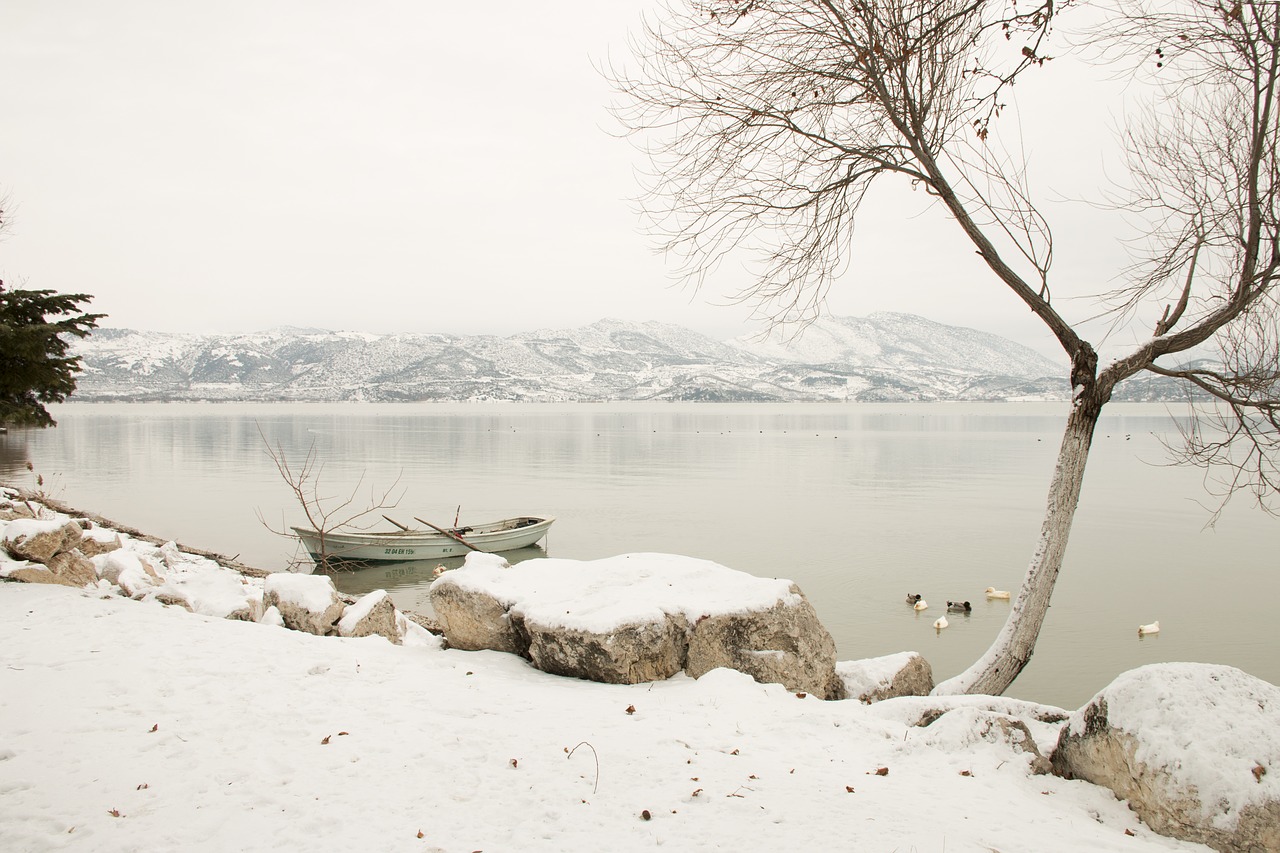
(858, 503)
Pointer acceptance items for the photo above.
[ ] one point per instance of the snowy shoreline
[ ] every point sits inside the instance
(131, 723)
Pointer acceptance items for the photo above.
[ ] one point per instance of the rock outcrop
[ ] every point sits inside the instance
(876, 679)
(306, 603)
(1193, 749)
(373, 614)
(636, 618)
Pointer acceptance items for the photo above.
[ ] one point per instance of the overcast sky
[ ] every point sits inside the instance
(396, 166)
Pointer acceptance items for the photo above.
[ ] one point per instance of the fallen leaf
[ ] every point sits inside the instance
(115, 813)
(515, 762)
(631, 709)
(1129, 832)
(697, 792)
(966, 772)
(325, 741)
(155, 727)
(735, 752)
(1258, 772)
(142, 787)
(644, 815)
(849, 788)
(882, 771)
(420, 835)
(340, 734)
(801, 695)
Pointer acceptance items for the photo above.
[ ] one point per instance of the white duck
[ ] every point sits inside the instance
(992, 592)
(941, 623)
(1153, 628)
(921, 605)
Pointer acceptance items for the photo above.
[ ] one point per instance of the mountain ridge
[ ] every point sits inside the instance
(885, 357)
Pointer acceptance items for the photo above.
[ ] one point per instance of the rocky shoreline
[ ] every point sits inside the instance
(1194, 749)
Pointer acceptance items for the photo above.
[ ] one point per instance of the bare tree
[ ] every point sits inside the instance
(324, 513)
(769, 120)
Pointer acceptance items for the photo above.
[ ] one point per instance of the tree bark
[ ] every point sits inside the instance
(1009, 654)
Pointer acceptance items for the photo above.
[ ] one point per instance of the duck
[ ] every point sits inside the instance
(913, 597)
(921, 604)
(1153, 628)
(992, 592)
(959, 606)
(941, 623)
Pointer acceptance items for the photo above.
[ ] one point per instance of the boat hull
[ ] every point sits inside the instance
(405, 546)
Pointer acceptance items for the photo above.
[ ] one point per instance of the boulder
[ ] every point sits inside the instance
(960, 729)
(1192, 747)
(637, 617)
(307, 603)
(73, 567)
(127, 570)
(372, 614)
(876, 679)
(783, 643)
(28, 572)
(650, 650)
(99, 540)
(31, 539)
(473, 618)
(10, 510)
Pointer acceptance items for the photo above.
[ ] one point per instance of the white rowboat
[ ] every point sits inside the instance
(404, 545)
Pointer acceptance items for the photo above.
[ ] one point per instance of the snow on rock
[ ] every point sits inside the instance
(40, 539)
(374, 613)
(128, 570)
(306, 602)
(1193, 748)
(875, 679)
(637, 617)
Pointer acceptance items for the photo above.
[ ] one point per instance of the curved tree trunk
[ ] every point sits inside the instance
(999, 665)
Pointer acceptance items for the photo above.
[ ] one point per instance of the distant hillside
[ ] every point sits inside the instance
(883, 357)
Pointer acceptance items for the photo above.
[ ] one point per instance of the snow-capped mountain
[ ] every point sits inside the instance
(883, 357)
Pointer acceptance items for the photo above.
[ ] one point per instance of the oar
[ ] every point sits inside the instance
(455, 537)
(396, 523)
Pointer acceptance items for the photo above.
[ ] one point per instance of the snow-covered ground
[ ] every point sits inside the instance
(129, 725)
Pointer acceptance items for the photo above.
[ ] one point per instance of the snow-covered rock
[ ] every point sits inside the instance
(372, 614)
(307, 603)
(73, 567)
(637, 617)
(38, 540)
(876, 679)
(1192, 747)
(128, 570)
(783, 643)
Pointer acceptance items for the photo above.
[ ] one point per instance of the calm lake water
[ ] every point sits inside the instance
(859, 504)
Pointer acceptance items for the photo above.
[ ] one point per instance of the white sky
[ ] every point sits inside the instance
(394, 166)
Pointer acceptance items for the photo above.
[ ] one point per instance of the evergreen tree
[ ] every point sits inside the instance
(35, 327)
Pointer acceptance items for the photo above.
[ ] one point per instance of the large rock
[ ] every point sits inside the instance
(29, 572)
(473, 618)
(99, 540)
(73, 567)
(637, 617)
(307, 603)
(649, 650)
(780, 644)
(876, 679)
(131, 572)
(372, 614)
(32, 539)
(1194, 748)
